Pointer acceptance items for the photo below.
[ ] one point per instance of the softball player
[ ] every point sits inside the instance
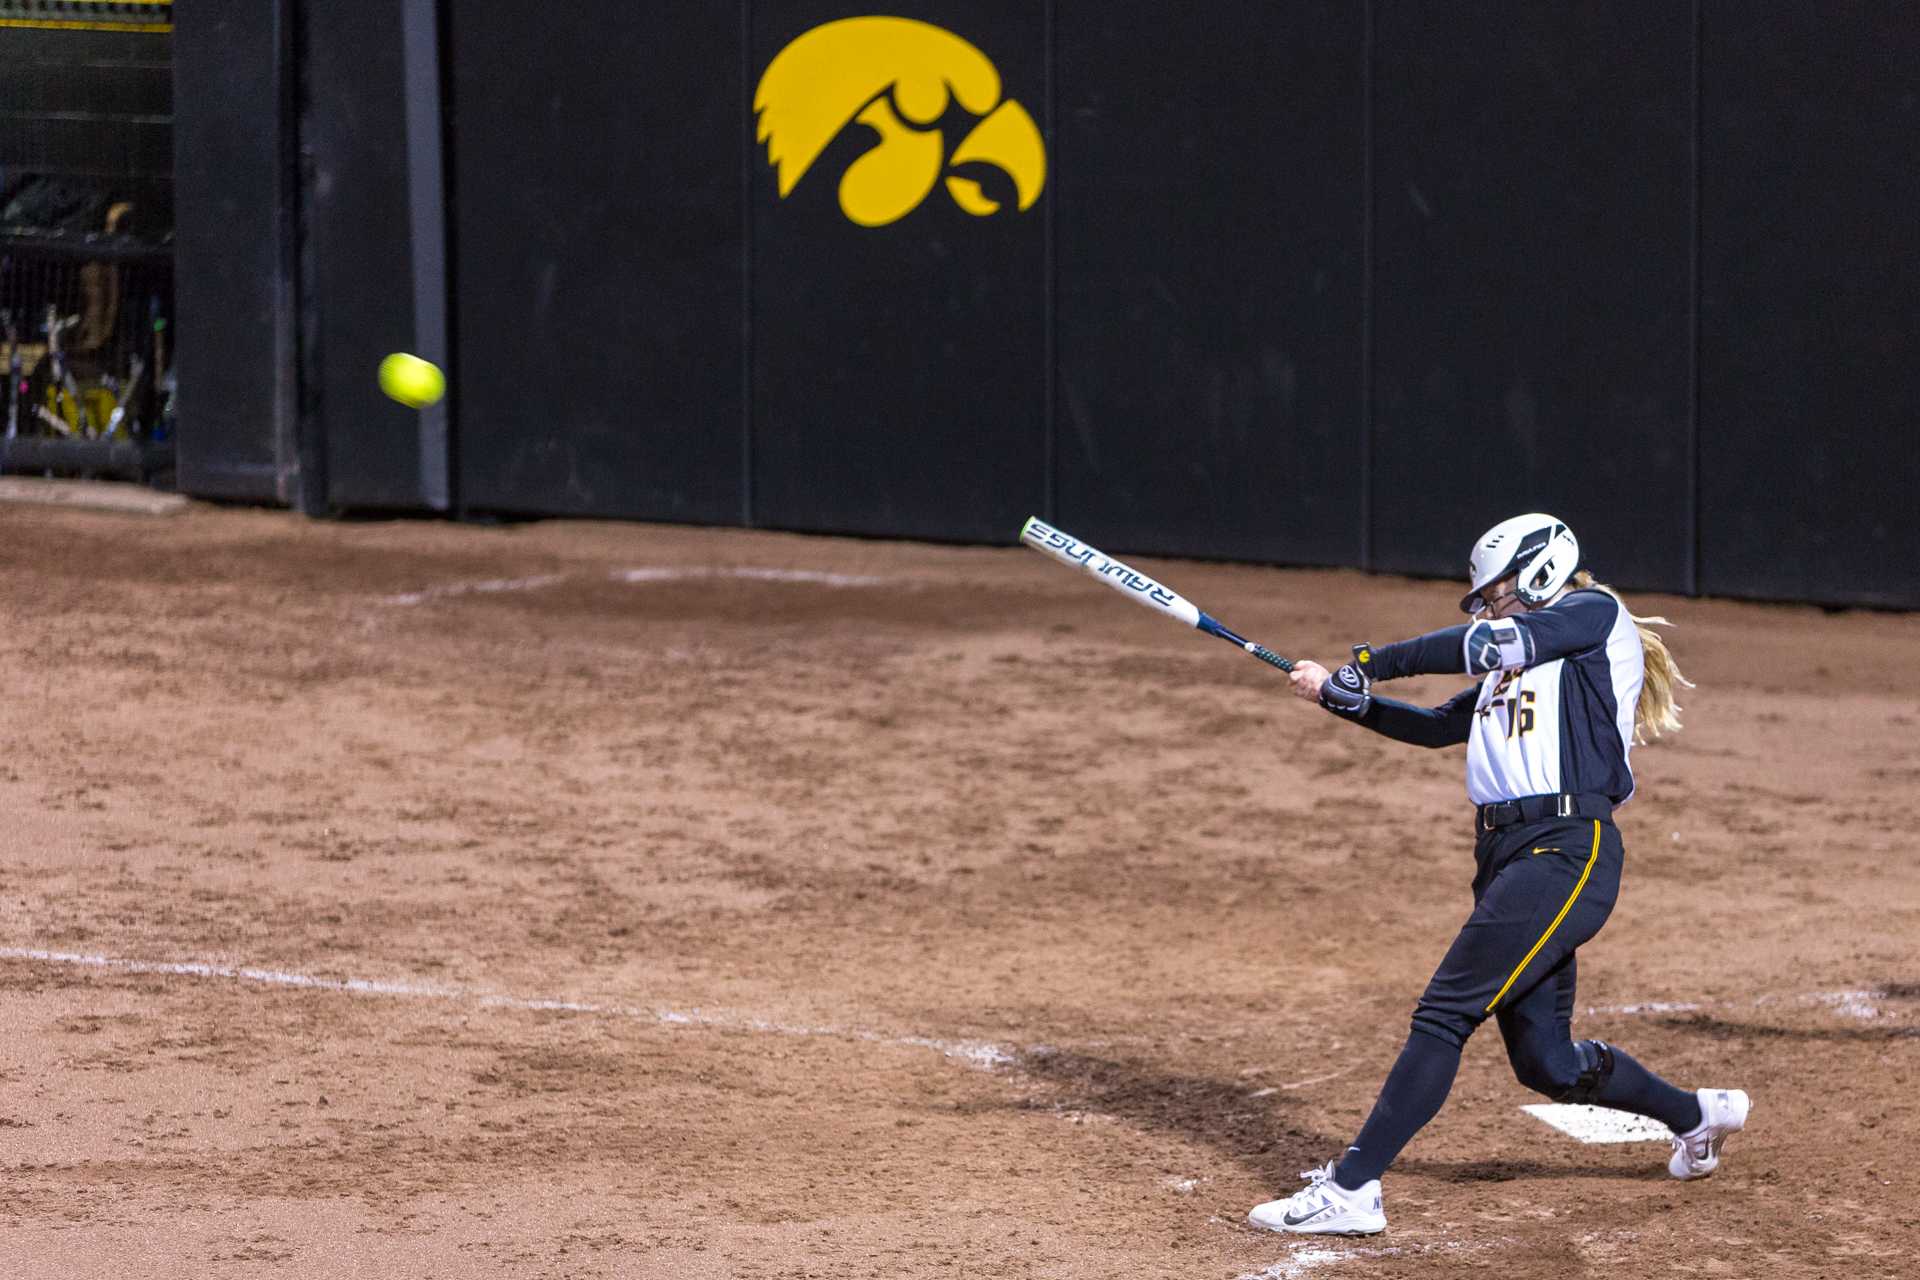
(1569, 682)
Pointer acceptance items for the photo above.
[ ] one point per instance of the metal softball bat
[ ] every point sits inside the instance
(1135, 585)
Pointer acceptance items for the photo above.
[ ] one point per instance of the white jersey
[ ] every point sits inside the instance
(1565, 723)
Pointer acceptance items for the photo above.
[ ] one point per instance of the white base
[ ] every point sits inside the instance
(1599, 1124)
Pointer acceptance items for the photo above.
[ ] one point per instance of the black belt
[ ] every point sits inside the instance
(1506, 813)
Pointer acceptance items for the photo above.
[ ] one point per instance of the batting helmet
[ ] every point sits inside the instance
(1538, 547)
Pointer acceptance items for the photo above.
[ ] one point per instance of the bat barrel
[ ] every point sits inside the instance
(1124, 578)
(1137, 586)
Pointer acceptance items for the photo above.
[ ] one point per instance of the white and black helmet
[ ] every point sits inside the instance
(1538, 547)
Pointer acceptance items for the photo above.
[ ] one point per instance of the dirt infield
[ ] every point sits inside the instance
(577, 900)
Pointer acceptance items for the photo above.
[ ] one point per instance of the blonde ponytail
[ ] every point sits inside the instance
(1657, 712)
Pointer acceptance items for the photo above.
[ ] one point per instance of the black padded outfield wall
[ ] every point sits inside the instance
(898, 310)
(1209, 269)
(596, 217)
(1314, 283)
(235, 330)
(358, 290)
(1530, 300)
(1810, 302)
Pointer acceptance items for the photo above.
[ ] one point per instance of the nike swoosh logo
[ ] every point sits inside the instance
(1292, 1221)
(1554, 849)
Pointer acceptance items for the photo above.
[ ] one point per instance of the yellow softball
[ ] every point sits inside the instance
(412, 381)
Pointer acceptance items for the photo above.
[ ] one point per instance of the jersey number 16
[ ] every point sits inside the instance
(1518, 711)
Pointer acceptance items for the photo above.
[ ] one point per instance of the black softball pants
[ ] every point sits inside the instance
(1540, 890)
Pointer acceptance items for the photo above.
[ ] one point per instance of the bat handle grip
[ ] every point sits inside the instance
(1211, 626)
(1269, 657)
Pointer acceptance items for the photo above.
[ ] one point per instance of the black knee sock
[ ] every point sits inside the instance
(1633, 1088)
(1412, 1095)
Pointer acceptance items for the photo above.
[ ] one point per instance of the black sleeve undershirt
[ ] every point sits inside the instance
(1573, 624)
(1446, 725)
(1437, 653)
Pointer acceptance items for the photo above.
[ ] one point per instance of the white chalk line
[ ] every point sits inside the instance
(638, 577)
(1312, 1255)
(486, 586)
(1860, 1004)
(1301, 1084)
(1855, 1004)
(1648, 1006)
(976, 1053)
(814, 577)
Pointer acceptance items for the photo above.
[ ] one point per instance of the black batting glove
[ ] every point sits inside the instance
(1348, 692)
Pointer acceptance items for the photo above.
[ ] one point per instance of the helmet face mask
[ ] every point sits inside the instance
(1537, 550)
(1480, 605)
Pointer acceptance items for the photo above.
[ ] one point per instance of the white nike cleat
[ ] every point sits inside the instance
(1324, 1208)
(1696, 1153)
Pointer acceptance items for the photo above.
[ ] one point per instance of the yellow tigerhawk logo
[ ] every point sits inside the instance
(897, 77)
